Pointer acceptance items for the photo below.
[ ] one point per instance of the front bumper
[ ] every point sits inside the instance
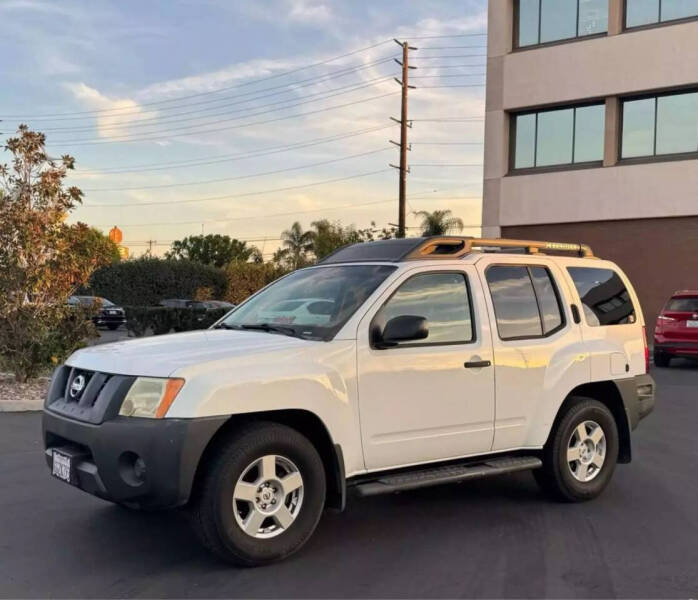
(104, 456)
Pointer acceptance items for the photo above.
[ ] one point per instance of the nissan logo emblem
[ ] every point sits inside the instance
(77, 386)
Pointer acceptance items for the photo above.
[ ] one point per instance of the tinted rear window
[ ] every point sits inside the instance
(682, 305)
(604, 297)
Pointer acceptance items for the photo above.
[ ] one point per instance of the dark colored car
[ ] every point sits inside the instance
(676, 332)
(110, 315)
(216, 304)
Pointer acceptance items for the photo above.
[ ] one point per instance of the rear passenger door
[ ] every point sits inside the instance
(537, 351)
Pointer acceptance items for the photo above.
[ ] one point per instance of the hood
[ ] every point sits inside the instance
(162, 355)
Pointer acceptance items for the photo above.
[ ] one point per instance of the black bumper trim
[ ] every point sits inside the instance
(638, 397)
(170, 448)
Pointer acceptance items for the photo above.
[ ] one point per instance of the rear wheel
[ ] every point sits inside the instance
(113, 326)
(661, 359)
(581, 454)
(261, 497)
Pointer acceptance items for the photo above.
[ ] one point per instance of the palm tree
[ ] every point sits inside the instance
(295, 245)
(439, 222)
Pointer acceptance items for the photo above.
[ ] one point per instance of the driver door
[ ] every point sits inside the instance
(430, 399)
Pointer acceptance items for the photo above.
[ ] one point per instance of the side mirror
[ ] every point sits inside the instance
(405, 328)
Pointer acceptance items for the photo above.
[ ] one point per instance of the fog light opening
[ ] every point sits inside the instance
(132, 469)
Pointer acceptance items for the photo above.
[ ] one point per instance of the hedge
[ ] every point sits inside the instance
(244, 279)
(163, 319)
(148, 280)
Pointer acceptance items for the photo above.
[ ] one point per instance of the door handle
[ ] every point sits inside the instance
(477, 364)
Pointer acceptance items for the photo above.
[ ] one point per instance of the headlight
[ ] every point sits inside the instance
(150, 397)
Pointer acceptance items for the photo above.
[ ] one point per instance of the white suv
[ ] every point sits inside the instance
(418, 362)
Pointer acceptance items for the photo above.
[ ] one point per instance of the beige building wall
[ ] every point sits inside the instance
(604, 68)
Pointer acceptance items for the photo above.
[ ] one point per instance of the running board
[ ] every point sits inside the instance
(411, 480)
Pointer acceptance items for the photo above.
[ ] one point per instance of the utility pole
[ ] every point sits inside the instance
(403, 145)
(150, 247)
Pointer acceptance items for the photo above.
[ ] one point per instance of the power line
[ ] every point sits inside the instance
(294, 85)
(156, 122)
(449, 120)
(447, 165)
(448, 76)
(231, 157)
(200, 94)
(239, 177)
(447, 143)
(448, 47)
(231, 196)
(219, 129)
(433, 37)
(439, 87)
(453, 56)
(293, 213)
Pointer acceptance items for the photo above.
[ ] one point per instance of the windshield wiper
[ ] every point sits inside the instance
(271, 328)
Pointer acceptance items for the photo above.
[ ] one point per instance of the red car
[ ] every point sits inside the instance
(676, 332)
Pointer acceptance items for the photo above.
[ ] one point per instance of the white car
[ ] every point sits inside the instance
(441, 360)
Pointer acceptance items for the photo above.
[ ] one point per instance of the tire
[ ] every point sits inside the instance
(661, 359)
(237, 470)
(579, 480)
(113, 326)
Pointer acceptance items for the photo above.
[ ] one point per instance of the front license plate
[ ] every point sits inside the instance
(61, 466)
(691, 323)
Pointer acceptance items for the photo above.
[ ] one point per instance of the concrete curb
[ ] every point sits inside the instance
(21, 405)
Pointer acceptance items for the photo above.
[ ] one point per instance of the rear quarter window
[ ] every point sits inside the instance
(605, 299)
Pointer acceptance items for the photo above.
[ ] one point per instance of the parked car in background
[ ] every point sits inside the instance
(196, 304)
(110, 315)
(216, 304)
(313, 311)
(181, 303)
(676, 332)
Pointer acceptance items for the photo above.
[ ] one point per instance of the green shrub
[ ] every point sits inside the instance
(244, 279)
(163, 319)
(148, 280)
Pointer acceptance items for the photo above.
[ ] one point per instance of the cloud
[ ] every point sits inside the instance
(303, 11)
(114, 122)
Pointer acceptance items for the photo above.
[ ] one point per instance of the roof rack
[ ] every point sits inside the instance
(456, 247)
(441, 247)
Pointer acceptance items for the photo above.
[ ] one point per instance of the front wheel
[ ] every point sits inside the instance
(581, 454)
(261, 496)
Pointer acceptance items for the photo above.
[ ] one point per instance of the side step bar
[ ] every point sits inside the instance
(412, 480)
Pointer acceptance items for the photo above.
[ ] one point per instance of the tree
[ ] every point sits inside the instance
(213, 249)
(296, 244)
(42, 259)
(439, 222)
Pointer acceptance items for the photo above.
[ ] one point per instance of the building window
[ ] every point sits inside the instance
(660, 125)
(545, 21)
(563, 136)
(526, 302)
(649, 12)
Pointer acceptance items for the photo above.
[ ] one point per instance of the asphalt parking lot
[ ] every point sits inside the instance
(492, 538)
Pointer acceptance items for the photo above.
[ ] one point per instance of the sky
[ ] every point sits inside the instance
(240, 117)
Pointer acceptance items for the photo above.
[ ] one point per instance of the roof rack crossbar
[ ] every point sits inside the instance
(450, 247)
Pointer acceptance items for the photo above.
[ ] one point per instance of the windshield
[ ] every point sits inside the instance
(311, 303)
